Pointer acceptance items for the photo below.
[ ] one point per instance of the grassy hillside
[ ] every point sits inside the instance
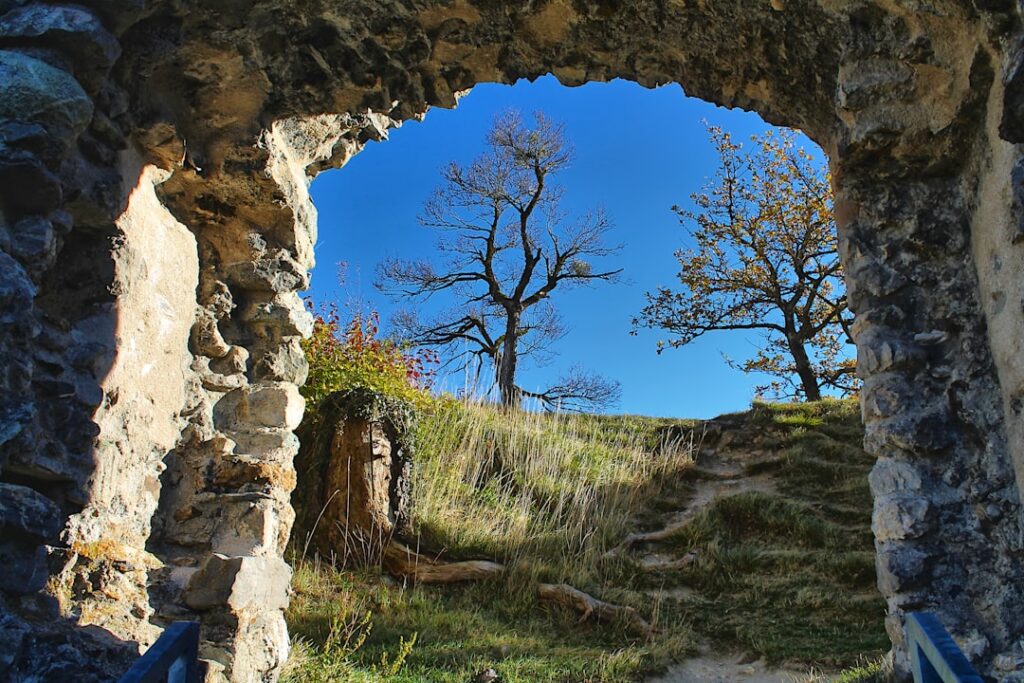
(767, 518)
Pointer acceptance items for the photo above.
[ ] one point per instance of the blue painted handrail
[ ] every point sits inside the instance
(173, 658)
(934, 656)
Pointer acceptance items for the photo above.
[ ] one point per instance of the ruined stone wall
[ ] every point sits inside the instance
(155, 230)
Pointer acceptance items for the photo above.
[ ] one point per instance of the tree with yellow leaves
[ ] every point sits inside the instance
(765, 259)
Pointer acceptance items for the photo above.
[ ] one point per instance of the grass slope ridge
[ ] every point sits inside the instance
(772, 504)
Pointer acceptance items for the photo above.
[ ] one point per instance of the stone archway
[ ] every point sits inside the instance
(156, 228)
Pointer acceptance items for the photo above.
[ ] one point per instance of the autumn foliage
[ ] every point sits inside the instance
(764, 258)
(348, 354)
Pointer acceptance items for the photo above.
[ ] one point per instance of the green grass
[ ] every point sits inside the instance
(554, 491)
(790, 575)
(459, 632)
(786, 574)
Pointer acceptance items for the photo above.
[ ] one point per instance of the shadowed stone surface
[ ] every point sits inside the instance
(156, 226)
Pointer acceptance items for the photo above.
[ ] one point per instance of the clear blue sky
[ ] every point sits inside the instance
(638, 152)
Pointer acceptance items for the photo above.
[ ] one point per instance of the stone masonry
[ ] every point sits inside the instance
(156, 229)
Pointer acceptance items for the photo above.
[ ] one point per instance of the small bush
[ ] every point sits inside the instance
(348, 355)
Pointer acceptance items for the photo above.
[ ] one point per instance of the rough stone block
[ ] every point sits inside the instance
(269, 405)
(34, 241)
(205, 336)
(16, 291)
(900, 568)
(900, 516)
(261, 647)
(269, 445)
(283, 363)
(276, 271)
(35, 92)
(912, 431)
(889, 476)
(1011, 128)
(240, 583)
(13, 632)
(233, 362)
(25, 569)
(72, 29)
(284, 316)
(250, 527)
(26, 185)
(28, 512)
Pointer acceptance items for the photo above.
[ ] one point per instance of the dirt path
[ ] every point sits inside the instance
(727, 669)
(720, 475)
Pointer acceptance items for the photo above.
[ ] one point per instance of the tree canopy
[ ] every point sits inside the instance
(764, 259)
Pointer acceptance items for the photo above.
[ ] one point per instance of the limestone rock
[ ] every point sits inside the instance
(901, 568)
(34, 242)
(206, 338)
(283, 315)
(889, 476)
(25, 566)
(901, 516)
(12, 634)
(275, 405)
(1011, 127)
(16, 292)
(13, 418)
(283, 363)
(239, 583)
(26, 184)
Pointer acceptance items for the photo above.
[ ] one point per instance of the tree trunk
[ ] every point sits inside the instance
(364, 493)
(507, 362)
(808, 380)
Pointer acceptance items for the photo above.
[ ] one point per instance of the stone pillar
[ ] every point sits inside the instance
(86, 310)
(225, 514)
(947, 515)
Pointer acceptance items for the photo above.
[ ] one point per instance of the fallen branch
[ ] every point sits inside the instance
(589, 606)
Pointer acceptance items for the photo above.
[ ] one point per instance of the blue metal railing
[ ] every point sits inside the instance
(173, 658)
(934, 657)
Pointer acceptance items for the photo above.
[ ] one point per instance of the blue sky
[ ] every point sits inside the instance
(638, 152)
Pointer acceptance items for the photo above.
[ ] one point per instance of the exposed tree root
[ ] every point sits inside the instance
(407, 563)
(588, 606)
(669, 565)
(402, 561)
(633, 540)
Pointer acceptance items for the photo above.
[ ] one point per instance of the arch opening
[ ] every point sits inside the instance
(917, 110)
(637, 182)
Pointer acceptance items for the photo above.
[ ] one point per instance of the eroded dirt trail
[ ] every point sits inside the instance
(718, 473)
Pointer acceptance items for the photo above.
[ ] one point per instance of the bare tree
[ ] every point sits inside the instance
(507, 247)
(765, 259)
